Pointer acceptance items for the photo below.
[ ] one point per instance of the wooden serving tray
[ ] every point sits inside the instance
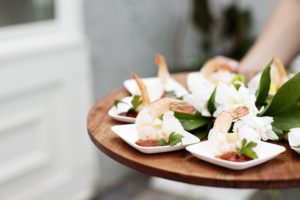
(281, 172)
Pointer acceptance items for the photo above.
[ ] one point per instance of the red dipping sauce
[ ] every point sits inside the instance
(147, 143)
(129, 114)
(233, 157)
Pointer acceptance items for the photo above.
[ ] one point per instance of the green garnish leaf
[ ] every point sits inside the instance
(131, 110)
(247, 149)
(135, 102)
(174, 138)
(162, 142)
(171, 93)
(180, 98)
(238, 80)
(211, 104)
(264, 86)
(117, 102)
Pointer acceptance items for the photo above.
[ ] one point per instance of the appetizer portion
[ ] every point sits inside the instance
(145, 91)
(161, 86)
(234, 139)
(156, 124)
(232, 146)
(137, 102)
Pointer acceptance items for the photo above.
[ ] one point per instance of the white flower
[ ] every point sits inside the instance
(255, 128)
(227, 98)
(201, 89)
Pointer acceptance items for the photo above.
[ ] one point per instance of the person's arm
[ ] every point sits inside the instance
(280, 37)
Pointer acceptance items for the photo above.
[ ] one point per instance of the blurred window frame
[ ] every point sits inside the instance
(65, 28)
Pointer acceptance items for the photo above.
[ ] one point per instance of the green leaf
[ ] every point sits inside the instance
(162, 142)
(287, 120)
(171, 93)
(191, 122)
(247, 149)
(135, 102)
(251, 145)
(249, 153)
(238, 80)
(179, 115)
(174, 138)
(200, 133)
(211, 103)
(131, 110)
(203, 131)
(285, 98)
(117, 102)
(264, 86)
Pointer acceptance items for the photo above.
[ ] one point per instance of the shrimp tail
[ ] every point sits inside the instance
(240, 112)
(182, 107)
(163, 72)
(143, 89)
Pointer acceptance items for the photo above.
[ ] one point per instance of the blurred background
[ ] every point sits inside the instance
(58, 56)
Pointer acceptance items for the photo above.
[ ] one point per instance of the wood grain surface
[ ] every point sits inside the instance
(281, 172)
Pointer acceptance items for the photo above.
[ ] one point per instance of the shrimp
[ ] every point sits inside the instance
(150, 127)
(224, 120)
(163, 72)
(221, 142)
(215, 64)
(143, 89)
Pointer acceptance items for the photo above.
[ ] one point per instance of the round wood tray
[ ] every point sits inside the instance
(281, 172)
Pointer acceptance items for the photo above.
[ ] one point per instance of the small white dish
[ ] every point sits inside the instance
(265, 152)
(294, 139)
(129, 134)
(155, 88)
(122, 107)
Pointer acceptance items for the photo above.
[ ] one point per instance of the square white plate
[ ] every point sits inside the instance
(152, 83)
(122, 107)
(129, 134)
(265, 151)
